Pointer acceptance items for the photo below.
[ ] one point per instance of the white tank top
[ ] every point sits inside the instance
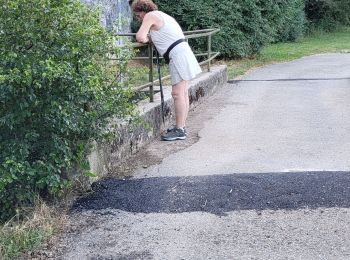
(167, 34)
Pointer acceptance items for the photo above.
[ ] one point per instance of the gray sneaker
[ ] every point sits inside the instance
(170, 129)
(174, 134)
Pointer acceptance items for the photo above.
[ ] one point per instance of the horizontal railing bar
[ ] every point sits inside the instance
(126, 34)
(201, 54)
(150, 83)
(138, 58)
(185, 32)
(147, 58)
(138, 44)
(168, 76)
(211, 58)
(188, 35)
(201, 34)
(192, 36)
(199, 31)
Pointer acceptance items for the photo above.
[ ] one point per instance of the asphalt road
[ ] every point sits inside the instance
(264, 174)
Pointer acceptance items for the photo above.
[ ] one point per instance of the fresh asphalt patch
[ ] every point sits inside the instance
(219, 194)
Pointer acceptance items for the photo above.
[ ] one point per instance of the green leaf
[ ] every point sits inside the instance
(90, 174)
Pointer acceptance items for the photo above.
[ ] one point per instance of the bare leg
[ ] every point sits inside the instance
(180, 96)
(187, 100)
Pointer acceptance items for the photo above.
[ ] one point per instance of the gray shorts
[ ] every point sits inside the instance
(183, 64)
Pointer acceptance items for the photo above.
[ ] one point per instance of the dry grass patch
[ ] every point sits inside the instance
(23, 236)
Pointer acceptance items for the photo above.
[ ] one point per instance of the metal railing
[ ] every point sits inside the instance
(188, 35)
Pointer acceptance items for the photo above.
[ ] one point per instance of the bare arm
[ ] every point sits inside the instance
(149, 20)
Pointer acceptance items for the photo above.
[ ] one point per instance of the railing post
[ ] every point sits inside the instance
(188, 35)
(150, 75)
(209, 51)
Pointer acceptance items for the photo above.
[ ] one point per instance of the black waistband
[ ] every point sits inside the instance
(166, 54)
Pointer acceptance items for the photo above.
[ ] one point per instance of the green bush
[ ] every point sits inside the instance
(246, 25)
(285, 19)
(57, 92)
(327, 15)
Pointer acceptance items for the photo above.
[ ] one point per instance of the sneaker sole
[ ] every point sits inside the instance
(174, 138)
(168, 130)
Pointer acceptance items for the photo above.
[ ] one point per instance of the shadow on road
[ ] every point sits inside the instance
(219, 194)
(300, 79)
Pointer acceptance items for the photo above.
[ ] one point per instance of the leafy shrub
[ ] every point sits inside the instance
(57, 92)
(327, 15)
(246, 25)
(285, 19)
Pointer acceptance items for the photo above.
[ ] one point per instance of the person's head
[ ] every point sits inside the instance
(141, 7)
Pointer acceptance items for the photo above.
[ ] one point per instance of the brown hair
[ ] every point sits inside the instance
(143, 6)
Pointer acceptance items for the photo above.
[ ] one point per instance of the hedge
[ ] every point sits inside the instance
(57, 93)
(327, 15)
(246, 25)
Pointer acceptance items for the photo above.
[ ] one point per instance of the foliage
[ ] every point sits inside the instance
(57, 93)
(19, 237)
(246, 25)
(327, 15)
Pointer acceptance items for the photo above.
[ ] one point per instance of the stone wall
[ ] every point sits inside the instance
(117, 14)
(114, 13)
(106, 156)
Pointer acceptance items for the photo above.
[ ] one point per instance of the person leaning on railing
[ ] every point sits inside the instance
(169, 40)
